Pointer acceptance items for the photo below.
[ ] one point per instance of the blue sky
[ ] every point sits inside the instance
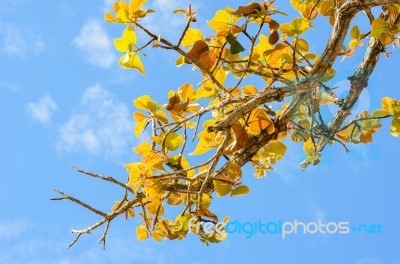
(64, 101)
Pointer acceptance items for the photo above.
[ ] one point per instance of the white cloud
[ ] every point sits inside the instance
(13, 42)
(369, 261)
(95, 43)
(100, 124)
(164, 21)
(42, 110)
(12, 229)
(20, 42)
(108, 2)
(10, 86)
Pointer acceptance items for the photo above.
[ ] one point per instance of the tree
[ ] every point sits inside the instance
(231, 124)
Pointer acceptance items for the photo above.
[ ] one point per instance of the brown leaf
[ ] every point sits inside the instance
(173, 101)
(207, 213)
(240, 139)
(273, 25)
(250, 9)
(273, 38)
(176, 105)
(197, 50)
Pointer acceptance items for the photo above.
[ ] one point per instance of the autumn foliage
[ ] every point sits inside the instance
(227, 126)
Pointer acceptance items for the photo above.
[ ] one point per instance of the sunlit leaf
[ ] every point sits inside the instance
(309, 147)
(222, 188)
(247, 10)
(141, 232)
(395, 127)
(240, 191)
(127, 41)
(191, 36)
(259, 120)
(135, 5)
(132, 61)
(378, 27)
(299, 25)
(173, 141)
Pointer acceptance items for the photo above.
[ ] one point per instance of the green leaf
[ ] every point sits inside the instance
(236, 47)
(240, 191)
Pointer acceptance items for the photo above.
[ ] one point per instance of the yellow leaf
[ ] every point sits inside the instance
(159, 233)
(162, 117)
(139, 127)
(285, 29)
(143, 148)
(142, 101)
(380, 113)
(207, 90)
(234, 171)
(127, 41)
(173, 141)
(186, 91)
(220, 75)
(240, 191)
(108, 17)
(259, 120)
(154, 207)
(132, 61)
(355, 32)
(395, 127)
(141, 232)
(249, 90)
(174, 199)
(135, 171)
(392, 106)
(353, 43)
(221, 21)
(222, 188)
(135, 5)
(261, 47)
(120, 5)
(138, 116)
(327, 8)
(299, 25)
(275, 150)
(192, 35)
(309, 148)
(122, 15)
(378, 27)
